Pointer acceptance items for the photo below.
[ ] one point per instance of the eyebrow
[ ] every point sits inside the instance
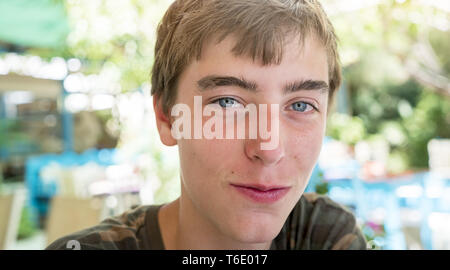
(213, 81)
(306, 85)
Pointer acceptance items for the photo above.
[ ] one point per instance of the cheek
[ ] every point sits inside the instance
(304, 148)
(204, 160)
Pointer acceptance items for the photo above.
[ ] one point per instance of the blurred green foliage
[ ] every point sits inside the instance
(430, 119)
(169, 190)
(322, 187)
(346, 128)
(117, 34)
(10, 134)
(26, 226)
(396, 62)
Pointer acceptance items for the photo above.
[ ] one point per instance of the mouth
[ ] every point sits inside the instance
(260, 193)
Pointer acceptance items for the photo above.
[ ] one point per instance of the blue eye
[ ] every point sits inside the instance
(227, 102)
(301, 106)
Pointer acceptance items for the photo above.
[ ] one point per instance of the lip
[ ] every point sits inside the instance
(260, 193)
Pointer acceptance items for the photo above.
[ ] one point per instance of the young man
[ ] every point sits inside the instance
(236, 194)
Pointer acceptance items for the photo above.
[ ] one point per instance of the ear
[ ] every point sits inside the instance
(163, 123)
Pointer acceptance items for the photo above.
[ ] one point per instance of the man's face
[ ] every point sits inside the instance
(216, 174)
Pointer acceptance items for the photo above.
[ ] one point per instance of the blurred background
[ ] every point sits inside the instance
(78, 141)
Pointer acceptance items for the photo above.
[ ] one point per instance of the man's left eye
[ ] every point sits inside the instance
(302, 106)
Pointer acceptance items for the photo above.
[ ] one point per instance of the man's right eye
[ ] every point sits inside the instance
(226, 102)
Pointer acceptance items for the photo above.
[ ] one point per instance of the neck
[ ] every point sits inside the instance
(183, 227)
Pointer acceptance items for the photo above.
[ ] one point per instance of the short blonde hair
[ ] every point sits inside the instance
(260, 26)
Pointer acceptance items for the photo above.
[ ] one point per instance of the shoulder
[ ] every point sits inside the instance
(318, 222)
(118, 232)
(323, 208)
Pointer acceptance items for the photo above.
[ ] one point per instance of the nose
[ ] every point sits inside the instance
(254, 148)
(265, 157)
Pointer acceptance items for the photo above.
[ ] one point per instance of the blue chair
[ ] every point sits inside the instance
(40, 192)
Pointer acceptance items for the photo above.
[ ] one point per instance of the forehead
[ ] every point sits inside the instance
(300, 60)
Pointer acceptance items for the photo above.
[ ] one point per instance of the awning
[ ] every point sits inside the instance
(33, 23)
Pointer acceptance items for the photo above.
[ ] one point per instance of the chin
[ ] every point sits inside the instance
(257, 231)
(257, 237)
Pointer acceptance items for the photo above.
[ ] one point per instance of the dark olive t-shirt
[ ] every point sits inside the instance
(316, 222)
